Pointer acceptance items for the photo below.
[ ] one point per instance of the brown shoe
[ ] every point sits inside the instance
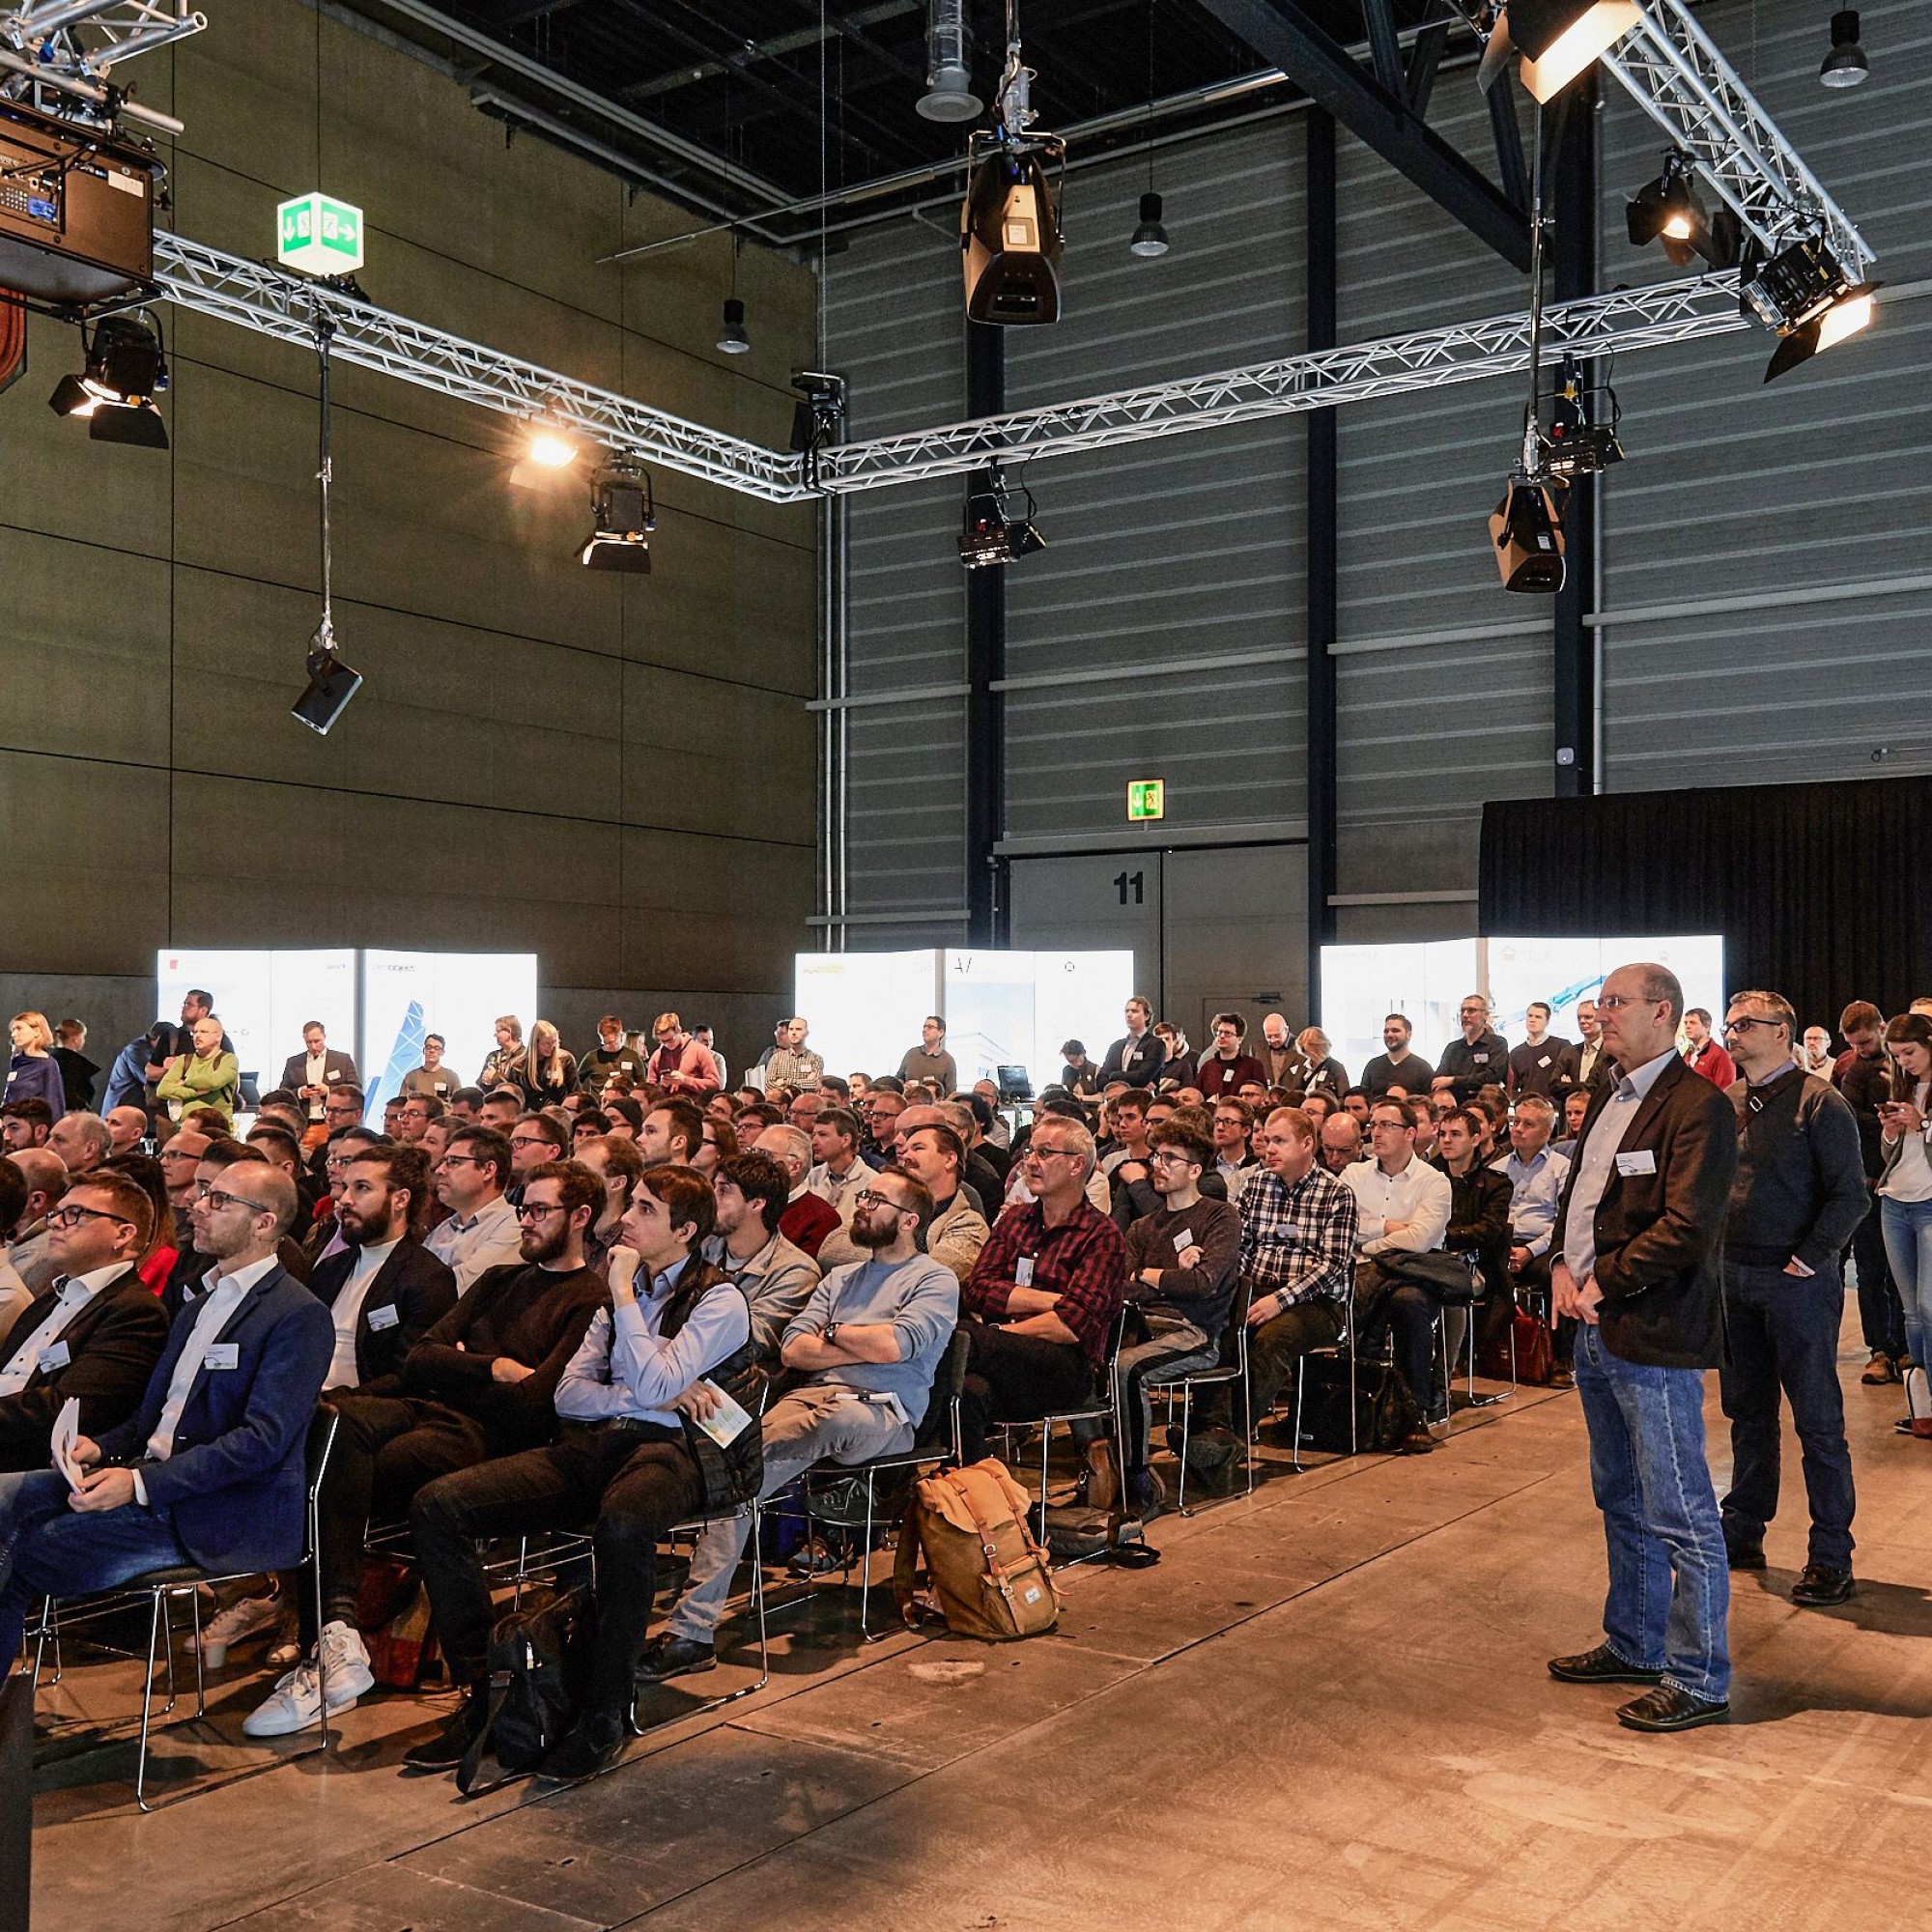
(1102, 1488)
(1879, 1371)
(1417, 1443)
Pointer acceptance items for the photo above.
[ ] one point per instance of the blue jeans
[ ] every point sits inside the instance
(1782, 1335)
(1908, 1246)
(1670, 1580)
(47, 1550)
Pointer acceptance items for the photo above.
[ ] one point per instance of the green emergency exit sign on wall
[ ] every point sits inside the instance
(1147, 797)
(319, 234)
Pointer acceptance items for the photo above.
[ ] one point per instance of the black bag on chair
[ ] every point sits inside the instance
(1385, 1412)
(1452, 1278)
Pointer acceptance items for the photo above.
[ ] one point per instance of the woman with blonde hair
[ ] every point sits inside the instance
(548, 1073)
(1319, 1069)
(33, 1073)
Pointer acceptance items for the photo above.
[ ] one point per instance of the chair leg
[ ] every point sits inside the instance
(168, 1642)
(315, 1572)
(1045, 1444)
(200, 1677)
(866, 1566)
(1186, 1428)
(1300, 1395)
(148, 1699)
(49, 1627)
(758, 1594)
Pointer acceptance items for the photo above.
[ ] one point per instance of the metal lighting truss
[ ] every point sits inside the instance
(274, 302)
(1431, 358)
(41, 48)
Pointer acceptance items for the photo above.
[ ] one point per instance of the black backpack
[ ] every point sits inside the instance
(539, 1675)
(1385, 1410)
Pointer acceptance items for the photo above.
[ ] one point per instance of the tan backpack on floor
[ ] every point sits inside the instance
(989, 1576)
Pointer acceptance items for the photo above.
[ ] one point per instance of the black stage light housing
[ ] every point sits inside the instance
(992, 534)
(1009, 239)
(626, 515)
(1526, 537)
(1804, 293)
(126, 369)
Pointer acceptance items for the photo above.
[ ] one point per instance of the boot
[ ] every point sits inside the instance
(1101, 1485)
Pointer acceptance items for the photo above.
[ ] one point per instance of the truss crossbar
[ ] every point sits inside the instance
(117, 31)
(271, 302)
(1430, 359)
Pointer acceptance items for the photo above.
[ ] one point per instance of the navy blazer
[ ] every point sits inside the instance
(236, 1487)
(413, 1287)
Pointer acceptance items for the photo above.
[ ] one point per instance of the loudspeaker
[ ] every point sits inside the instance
(1526, 538)
(331, 684)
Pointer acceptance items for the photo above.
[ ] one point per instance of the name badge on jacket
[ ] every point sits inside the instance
(383, 1317)
(1641, 1161)
(1023, 1271)
(222, 1355)
(54, 1357)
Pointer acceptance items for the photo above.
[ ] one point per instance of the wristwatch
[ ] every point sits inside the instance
(831, 1331)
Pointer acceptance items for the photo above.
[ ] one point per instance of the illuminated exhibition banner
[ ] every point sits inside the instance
(264, 999)
(458, 995)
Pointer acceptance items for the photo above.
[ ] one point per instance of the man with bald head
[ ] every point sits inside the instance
(126, 1129)
(807, 1217)
(1340, 1143)
(82, 1142)
(45, 1176)
(1636, 1265)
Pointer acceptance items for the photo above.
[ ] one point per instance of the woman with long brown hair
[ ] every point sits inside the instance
(1905, 1202)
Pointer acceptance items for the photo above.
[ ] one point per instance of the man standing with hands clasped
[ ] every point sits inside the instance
(1637, 1242)
(1800, 1193)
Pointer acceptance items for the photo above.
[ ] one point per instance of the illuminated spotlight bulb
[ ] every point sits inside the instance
(550, 450)
(1560, 38)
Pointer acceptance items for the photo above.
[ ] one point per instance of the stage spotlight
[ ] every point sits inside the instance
(126, 369)
(1009, 239)
(1149, 237)
(550, 451)
(1557, 38)
(1526, 537)
(1846, 65)
(731, 336)
(626, 515)
(1668, 210)
(993, 535)
(1582, 435)
(331, 684)
(949, 64)
(1804, 293)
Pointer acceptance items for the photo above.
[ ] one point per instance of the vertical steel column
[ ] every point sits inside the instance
(986, 908)
(1322, 565)
(1574, 671)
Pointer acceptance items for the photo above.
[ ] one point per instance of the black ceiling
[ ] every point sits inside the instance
(740, 107)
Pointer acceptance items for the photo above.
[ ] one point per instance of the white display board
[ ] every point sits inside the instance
(1361, 984)
(1019, 1008)
(864, 1008)
(263, 999)
(459, 995)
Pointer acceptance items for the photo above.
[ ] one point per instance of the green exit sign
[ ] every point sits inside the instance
(1147, 797)
(319, 234)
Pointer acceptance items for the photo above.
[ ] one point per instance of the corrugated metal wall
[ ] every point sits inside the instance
(1759, 498)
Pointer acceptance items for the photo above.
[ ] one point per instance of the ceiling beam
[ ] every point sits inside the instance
(1425, 57)
(1284, 34)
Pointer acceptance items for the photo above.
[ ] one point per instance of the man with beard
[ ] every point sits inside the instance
(868, 1344)
(478, 1386)
(776, 1276)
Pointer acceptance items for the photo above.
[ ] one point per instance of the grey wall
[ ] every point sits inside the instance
(1765, 583)
(616, 774)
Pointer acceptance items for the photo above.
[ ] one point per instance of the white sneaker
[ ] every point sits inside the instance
(232, 1626)
(296, 1701)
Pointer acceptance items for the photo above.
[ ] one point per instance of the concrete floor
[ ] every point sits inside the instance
(1326, 1707)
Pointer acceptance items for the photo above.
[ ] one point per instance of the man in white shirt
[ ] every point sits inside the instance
(1536, 1174)
(1402, 1205)
(481, 1232)
(207, 1470)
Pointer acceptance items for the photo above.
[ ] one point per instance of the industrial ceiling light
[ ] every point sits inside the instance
(626, 514)
(731, 336)
(1149, 237)
(993, 533)
(125, 368)
(949, 64)
(1557, 38)
(1804, 293)
(1846, 65)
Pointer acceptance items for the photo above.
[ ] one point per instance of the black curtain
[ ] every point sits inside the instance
(1820, 890)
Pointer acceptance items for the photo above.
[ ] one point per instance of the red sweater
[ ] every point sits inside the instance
(1715, 1065)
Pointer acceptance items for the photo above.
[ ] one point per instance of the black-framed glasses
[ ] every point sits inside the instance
(1172, 1157)
(459, 1160)
(218, 1197)
(531, 1140)
(870, 1197)
(70, 1215)
(1738, 1022)
(536, 1210)
(178, 1153)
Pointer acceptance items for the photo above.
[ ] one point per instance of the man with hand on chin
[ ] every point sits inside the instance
(655, 1364)
(208, 1469)
(1636, 1244)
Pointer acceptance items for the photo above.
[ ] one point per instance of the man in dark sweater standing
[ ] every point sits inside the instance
(1638, 1241)
(1799, 1192)
(1479, 1059)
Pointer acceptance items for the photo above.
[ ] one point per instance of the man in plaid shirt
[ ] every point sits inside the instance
(1297, 1272)
(1041, 1303)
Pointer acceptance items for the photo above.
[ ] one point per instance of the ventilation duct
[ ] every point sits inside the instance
(948, 64)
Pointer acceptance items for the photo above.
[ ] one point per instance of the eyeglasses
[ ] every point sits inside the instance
(178, 1153)
(1172, 1157)
(458, 1160)
(1616, 1003)
(1740, 1021)
(216, 1197)
(870, 1197)
(1039, 1153)
(531, 1140)
(535, 1211)
(1393, 1126)
(73, 1214)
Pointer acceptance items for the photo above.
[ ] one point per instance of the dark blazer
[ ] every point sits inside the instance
(334, 1066)
(1137, 1062)
(112, 1346)
(237, 1485)
(411, 1292)
(1659, 1236)
(1570, 1070)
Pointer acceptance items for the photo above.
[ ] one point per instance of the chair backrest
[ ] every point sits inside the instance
(322, 1432)
(948, 1386)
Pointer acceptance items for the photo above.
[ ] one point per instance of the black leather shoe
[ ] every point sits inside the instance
(451, 1744)
(1602, 1665)
(666, 1657)
(593, 1743)
(1820, 1587)
(1669, 1709)
(1744, 1555)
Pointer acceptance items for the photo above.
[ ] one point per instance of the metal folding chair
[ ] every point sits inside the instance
(1341, 1348)
(1103, 1411)
(186, 1580)
(1235, 1375)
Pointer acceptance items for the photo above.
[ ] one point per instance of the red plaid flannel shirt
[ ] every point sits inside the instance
(1084, 1261)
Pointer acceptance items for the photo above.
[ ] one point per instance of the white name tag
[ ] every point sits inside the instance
(54, 1357)
(1480, 1059)
(383, 1317)
(1184, 1241)
(1023, 1271)
(222, 1355)
(1642, 1161)
(1545, 1060)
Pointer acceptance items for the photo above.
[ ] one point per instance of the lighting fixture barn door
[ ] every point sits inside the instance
(1761, 498)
